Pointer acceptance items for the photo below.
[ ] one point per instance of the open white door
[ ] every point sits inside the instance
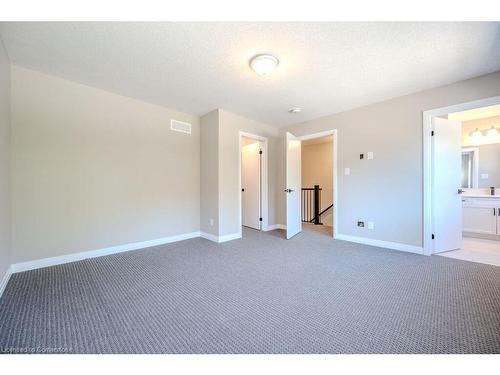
(446, 183)
(250, 185)
(293, 185)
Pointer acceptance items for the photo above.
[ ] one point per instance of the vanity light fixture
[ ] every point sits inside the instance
(476, 134)
(489, 135)
(492, 132)
(264, 64)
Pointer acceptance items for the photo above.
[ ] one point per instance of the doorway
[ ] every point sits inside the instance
(311, 196)
(462, 181)
(253, 181)
(317, 185)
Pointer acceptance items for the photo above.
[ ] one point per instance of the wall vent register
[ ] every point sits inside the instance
(179, 126)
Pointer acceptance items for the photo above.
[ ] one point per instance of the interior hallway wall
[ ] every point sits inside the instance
(92, 169)
(5, 130)
(317, 169)
(229, 194)
(388, 189)
(220, 140)
(209, 180)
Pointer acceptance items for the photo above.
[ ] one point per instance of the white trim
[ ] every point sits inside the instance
(265, 188)
(322, 134)
(5, 280)
(334, 133)
(229, 237)
(220, 239)
(46, 262)
(427, 159)
(209, 236)
(380, 243)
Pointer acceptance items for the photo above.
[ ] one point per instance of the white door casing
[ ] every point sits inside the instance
(427, 126)
(293, 185)
(446, 182)
(251, 185)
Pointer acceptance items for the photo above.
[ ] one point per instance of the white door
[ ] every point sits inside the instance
(250, 185)
(447, 181)
(293, 185)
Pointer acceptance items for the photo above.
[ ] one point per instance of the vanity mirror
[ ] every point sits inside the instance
(481, 166)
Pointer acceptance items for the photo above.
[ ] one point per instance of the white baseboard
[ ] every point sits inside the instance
(5, 280)
(220, 239)
(275, 226)
(379, 243)
(46, 262)
(209, 236)
(229, 237)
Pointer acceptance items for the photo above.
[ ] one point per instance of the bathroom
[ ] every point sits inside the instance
(480, 187)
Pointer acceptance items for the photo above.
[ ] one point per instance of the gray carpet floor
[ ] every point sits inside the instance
(260, 294)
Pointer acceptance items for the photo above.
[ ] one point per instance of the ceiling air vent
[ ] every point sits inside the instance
(179, 126)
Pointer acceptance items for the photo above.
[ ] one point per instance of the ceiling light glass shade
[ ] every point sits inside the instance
(492, 133)
(264, 64)
(476, 134)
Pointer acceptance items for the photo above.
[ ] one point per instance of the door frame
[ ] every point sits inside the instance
(334, 133)
(264, 188)
(427, 117)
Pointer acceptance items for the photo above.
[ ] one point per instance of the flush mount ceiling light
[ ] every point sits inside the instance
(295, 110)
(264, 64)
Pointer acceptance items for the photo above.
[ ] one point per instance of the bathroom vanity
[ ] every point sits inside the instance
(481, 216)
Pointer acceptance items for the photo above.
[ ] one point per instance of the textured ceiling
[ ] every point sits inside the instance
(197, 67)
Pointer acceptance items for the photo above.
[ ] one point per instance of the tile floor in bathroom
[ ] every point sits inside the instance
(477, 250)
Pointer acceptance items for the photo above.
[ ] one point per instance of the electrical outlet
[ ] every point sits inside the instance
(211, 222)
(347, 171)
(371, 225)
(361, 224)
(361, 156)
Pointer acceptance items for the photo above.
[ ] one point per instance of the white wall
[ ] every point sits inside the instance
(388, 189)
(209, 188)
(91, 169)
(489, 164)
(220, 140)
(5, 217)
(317, 169)
(229, 190)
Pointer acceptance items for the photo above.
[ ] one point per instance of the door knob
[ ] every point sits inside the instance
(288, 190)
(460, 191)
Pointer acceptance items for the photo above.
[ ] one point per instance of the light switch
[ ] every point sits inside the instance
(370, 155)
(484, 176)
(347, 171)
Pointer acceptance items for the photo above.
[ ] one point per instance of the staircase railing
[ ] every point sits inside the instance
(311, 205)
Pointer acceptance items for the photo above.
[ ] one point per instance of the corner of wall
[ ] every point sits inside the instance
(5, 168)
